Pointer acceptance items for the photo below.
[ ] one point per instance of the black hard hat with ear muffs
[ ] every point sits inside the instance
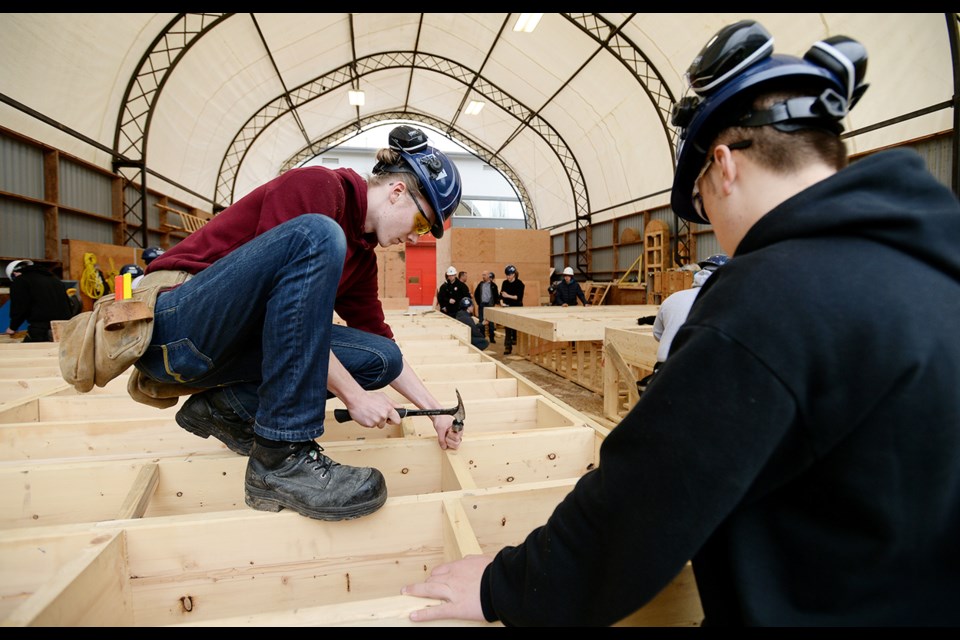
(738, 64)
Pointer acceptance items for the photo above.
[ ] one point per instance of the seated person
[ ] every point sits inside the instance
(465, 315)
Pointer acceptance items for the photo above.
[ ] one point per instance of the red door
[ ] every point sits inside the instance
(421, 272)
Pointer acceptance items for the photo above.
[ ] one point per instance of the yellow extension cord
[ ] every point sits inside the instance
(91, 283)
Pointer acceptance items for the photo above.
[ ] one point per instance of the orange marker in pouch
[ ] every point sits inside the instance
(118, 288)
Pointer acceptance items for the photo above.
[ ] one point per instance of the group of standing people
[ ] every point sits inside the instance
(454, 299)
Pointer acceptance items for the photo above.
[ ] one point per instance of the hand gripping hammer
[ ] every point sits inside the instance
(458, 413)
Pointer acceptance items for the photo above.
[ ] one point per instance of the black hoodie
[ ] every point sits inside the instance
(801, 444)
(37, 296)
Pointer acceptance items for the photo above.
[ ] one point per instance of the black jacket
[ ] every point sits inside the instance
(514, 288)
(568, 293)
(812, 471)
(457, 291)
(476, 329)
(38, 296)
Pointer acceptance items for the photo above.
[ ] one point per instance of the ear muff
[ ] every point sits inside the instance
(846, 59)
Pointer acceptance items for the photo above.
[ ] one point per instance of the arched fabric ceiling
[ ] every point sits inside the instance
(323, 144)
(182, 32)
(576, 113)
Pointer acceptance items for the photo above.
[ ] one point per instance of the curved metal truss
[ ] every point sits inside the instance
(136, 110)
(609, 37)
(344, 75)
(331, 140)
(185, 29)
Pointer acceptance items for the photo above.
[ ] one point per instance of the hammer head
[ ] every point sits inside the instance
(459, 414)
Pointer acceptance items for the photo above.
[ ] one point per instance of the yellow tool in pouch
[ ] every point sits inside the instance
(97, 346)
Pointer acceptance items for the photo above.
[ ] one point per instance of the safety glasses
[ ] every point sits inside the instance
(696, 197)
(421, 224)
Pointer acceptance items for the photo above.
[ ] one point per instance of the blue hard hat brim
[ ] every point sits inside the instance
(718, 110)
(428, 185)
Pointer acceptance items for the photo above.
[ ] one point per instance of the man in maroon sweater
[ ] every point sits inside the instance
(254, 323)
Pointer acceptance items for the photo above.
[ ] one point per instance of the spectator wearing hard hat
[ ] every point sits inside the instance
(465, 315)
(451, 293)
(568, 291)
(37, 297)
(511, 295)
(675, 308)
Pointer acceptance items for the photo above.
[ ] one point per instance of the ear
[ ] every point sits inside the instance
(727, 162)
(396, 189)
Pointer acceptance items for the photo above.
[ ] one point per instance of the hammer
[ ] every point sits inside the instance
(458, 413)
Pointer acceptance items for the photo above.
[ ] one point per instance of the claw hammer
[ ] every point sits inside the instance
(458, 413)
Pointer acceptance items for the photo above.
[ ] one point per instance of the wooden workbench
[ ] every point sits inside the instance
(568, 340)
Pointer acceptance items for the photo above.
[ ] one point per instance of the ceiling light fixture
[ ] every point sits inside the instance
(357, 98)
(527, 22)
(474, 108)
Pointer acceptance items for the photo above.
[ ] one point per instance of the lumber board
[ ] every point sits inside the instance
(568, 323)
(15, 389)
(631, 355)
(93, 589)
(138, 497)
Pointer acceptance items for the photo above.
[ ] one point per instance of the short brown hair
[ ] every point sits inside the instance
(783, 151)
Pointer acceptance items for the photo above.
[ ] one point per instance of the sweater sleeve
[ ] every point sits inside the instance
(629, 526)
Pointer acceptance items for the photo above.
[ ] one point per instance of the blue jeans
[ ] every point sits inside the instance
(259, 324)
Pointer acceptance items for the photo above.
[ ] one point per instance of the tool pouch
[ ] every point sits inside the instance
(97, 346)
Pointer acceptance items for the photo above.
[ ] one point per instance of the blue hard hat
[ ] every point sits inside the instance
(466, 303)
(438, 177)
(509, 270)
(151, 253)
(132, 269)
(714, 261)
(736, 66)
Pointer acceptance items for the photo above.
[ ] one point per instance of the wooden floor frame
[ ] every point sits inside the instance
(111, 515)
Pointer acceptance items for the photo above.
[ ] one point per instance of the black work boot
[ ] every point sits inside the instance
(299, 476)
(208, 414)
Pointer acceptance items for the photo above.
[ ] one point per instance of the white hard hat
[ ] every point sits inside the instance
(451, 271)
(13, 266)
(568, 271)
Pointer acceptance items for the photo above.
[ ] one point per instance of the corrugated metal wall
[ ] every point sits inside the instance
(21, 223)
(85, 189)
(937, 153)
(82, 188)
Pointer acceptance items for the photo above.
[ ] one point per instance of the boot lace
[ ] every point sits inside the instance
(323, 464)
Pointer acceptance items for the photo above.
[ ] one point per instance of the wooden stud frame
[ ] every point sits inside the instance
(111, 515)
